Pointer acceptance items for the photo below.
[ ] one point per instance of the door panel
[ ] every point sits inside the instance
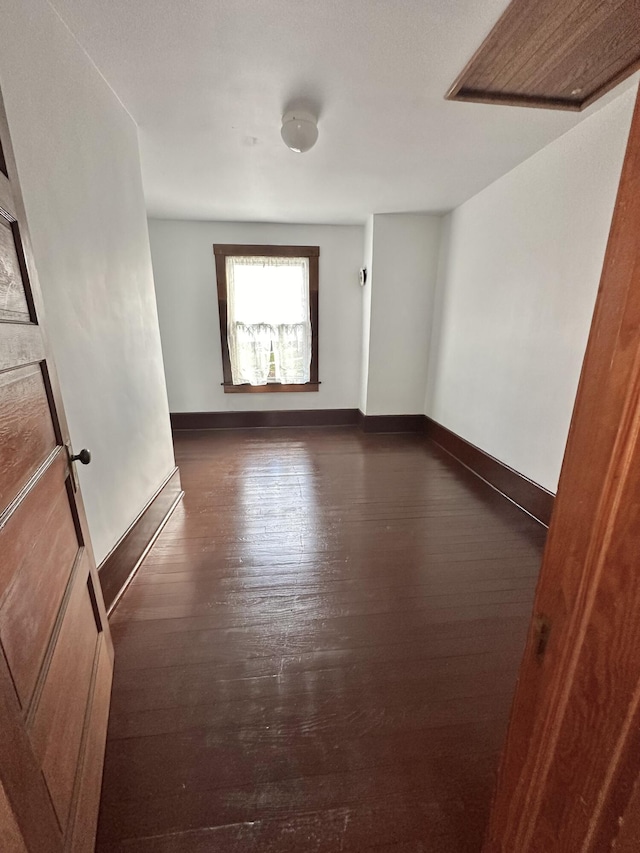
(58, 722)
(56, 656)
(25, 789)
(21, 344)
(13, 299)
(26, 433)
(80, 834)
(40, 532)
(11, 840)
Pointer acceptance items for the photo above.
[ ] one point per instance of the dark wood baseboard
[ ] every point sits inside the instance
(297, 417)
(526, 494)
(119, 566)
(247, 420)
(391, 423)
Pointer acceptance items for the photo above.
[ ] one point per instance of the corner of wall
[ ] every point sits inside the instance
(366, 312)
(437, 312)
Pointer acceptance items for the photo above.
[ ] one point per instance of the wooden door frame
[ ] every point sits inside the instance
(571, 762)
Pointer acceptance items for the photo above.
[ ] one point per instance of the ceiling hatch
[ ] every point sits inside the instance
(559, 55)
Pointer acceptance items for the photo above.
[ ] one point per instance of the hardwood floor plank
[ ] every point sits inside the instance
(290, 798)
(225, 612)
(234, 663)
(319, 652)
(197, 685)
(141, 648)
(397, 825)
(203, 759)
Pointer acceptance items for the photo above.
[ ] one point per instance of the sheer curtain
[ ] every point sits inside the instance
(268, 311)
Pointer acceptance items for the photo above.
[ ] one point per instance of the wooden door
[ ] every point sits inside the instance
(56, 657)
(571, 768)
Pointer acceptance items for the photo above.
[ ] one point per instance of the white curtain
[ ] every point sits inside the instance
(292, 348)
(268, 309)
(249, 353)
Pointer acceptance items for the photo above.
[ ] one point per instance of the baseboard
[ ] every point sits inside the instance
(296, 418)
(118, 568)
(523, 492)
(526, 494)
(391, 423)
(249, 420)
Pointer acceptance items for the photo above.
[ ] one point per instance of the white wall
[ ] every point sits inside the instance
(366, 313)
(401, 291)
(183, 264)
(77, 155)
(516, 293)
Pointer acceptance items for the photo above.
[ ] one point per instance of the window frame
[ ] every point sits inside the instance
(221, 252)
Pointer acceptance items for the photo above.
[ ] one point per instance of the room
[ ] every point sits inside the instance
(305, 613)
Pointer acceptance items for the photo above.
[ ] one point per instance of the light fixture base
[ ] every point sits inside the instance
(299, 130)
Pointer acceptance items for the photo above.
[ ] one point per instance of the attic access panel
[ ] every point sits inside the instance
(559, 54)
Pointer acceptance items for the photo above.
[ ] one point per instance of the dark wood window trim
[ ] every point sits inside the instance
(221, 253)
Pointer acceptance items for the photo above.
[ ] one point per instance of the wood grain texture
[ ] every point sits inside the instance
(528, 495)
(319, 651)
(40, 533)
(627, 838)
(33, 816)
(58, 722)
(11, 840)
(276, 418)
(13, 299)
(26, 431)
(21, 344)
(556, 55)
(82, 833)
(574, 735)
(120, 565)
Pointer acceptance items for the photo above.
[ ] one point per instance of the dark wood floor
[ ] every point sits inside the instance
(319, 653)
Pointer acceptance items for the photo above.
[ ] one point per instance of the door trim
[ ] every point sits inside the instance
(572, 752)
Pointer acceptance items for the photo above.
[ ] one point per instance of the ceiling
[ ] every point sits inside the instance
(207, 82)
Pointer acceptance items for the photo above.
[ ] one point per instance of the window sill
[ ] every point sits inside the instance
(271, 388)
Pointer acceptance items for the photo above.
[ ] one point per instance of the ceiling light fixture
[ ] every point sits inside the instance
(299, 130)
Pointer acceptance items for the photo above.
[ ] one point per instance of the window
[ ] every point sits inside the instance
(268, 304)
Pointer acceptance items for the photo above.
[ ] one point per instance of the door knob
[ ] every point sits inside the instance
(84, 456)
